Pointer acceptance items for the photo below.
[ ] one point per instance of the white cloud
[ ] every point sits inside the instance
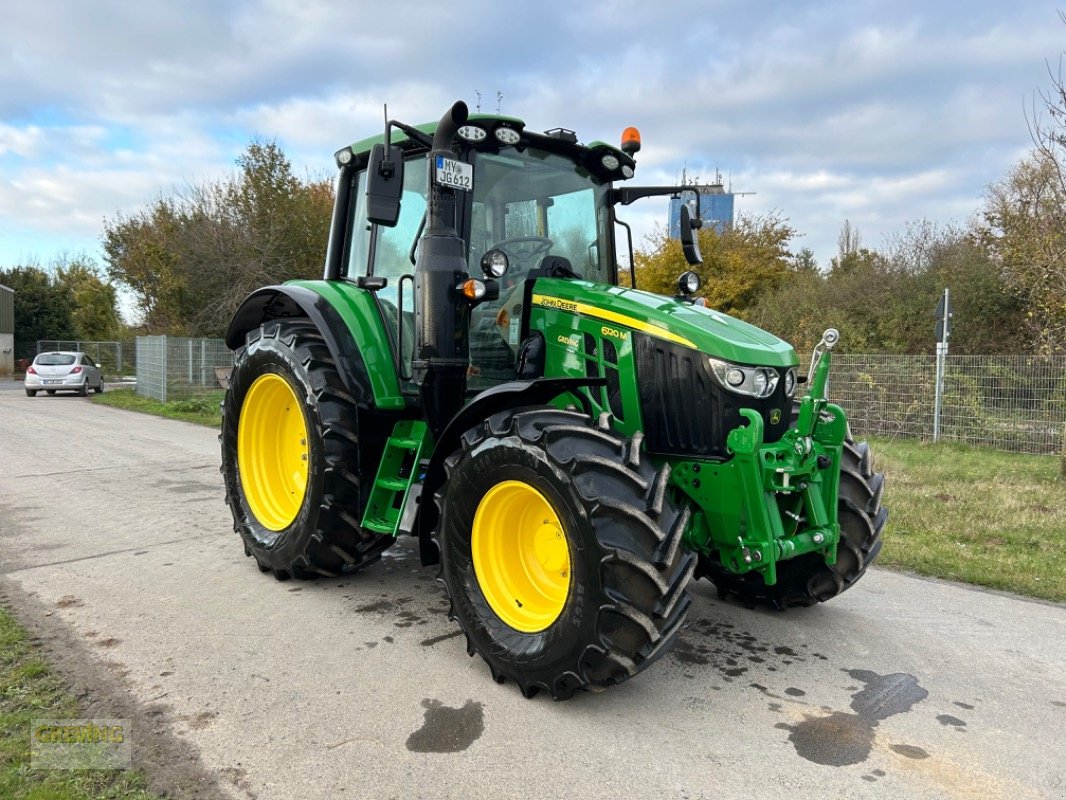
(879, 112)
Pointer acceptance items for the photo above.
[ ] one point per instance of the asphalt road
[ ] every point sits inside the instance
(116, 550)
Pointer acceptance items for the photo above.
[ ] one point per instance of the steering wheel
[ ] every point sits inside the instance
(526, 247)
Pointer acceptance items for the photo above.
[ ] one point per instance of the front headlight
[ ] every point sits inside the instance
(758, 382)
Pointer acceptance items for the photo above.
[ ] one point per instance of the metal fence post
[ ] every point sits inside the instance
(941, 350)
(163, 389)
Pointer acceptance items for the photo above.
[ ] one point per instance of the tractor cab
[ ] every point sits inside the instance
(532, 204)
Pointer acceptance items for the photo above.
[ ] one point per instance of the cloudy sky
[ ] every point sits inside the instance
(878, 112)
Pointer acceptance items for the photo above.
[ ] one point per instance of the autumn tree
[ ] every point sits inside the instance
(190, 259)
(94, 300)
(883, 301)
(1025, 226)
(740, 263)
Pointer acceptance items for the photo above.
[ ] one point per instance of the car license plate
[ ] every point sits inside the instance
(50, 383)
(455, 174)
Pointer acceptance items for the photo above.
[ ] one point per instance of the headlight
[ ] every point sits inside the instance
(688, 283)
(494, 264)
(790, 382)
(758, 382)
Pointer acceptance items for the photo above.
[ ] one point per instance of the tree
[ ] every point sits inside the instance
(884, 302)
(95, 304)
(1025, 217)
(43, 308)
(1025, 226)
(192, 258)
(740, 263)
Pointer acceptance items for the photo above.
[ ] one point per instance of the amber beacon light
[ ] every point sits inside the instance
(630, 140)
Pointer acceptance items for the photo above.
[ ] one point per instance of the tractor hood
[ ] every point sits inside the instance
(700, 328)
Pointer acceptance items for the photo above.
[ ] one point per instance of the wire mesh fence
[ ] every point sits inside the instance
(172, 368)
(1015, 403)
(116, 359)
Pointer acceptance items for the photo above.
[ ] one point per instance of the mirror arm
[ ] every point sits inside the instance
(629, 239)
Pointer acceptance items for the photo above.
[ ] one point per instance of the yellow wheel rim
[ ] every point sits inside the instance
(521, 557)
(272, 451)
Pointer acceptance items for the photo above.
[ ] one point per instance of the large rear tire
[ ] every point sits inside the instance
(807, 580)
(288, 440)
(560, 550)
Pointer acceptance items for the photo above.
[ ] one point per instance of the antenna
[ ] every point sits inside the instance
(478, 105)
(499, 101)
(387, 138)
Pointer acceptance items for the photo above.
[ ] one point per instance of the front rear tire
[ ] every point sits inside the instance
(560, 550)
(289, 440)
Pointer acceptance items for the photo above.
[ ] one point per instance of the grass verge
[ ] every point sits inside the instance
(976, 515)
(30, 690)
(202, 409)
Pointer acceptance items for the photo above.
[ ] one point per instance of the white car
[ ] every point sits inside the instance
(63, 371)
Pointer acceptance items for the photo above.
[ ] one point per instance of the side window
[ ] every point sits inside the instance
(391, 259)
(392, 254)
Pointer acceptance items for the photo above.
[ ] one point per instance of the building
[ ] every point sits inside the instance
(716, 206)
(7, 330)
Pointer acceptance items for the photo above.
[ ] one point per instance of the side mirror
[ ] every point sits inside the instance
(384, 184)
(690, 244)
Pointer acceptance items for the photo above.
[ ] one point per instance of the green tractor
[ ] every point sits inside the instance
(571, 452)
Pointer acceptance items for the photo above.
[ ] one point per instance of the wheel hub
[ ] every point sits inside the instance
(272, 451)
(521, 557)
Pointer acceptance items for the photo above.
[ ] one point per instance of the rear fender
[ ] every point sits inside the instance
(289, 302)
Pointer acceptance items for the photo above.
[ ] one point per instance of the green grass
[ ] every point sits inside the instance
(975, 515)
(202, 409)
(30, 690)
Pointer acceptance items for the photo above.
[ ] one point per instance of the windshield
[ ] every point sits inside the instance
(530, 204)
(533, 203)
(54, 360)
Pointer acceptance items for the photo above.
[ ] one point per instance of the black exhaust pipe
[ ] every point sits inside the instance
(442, 354)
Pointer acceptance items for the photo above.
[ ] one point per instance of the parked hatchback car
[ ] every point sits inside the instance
(63, 371)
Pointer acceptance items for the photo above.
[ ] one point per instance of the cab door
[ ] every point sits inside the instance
(382, 252)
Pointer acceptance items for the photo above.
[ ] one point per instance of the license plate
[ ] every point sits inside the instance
(455, 174)
(50, 383)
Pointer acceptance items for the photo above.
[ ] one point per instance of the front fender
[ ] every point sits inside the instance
(491, 401)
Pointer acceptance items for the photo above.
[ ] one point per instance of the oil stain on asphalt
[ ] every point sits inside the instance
(841, 739)
(447, 730)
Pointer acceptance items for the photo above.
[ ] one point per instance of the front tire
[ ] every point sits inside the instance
(289, 439)
(560, 550)
(31, 393)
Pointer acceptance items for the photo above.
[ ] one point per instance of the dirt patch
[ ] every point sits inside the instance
(172, 766)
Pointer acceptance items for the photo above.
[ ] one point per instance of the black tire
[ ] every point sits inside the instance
(100, 387)
(84, 390)
(807, 580)
(627, 597)
(325, 537)
(31, 392)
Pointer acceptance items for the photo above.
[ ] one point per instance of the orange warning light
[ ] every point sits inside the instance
(630, 140)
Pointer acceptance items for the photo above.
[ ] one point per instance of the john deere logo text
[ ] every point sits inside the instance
(555, 302)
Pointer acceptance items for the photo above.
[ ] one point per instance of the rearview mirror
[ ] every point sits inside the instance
(384, 184)
(690, 243)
